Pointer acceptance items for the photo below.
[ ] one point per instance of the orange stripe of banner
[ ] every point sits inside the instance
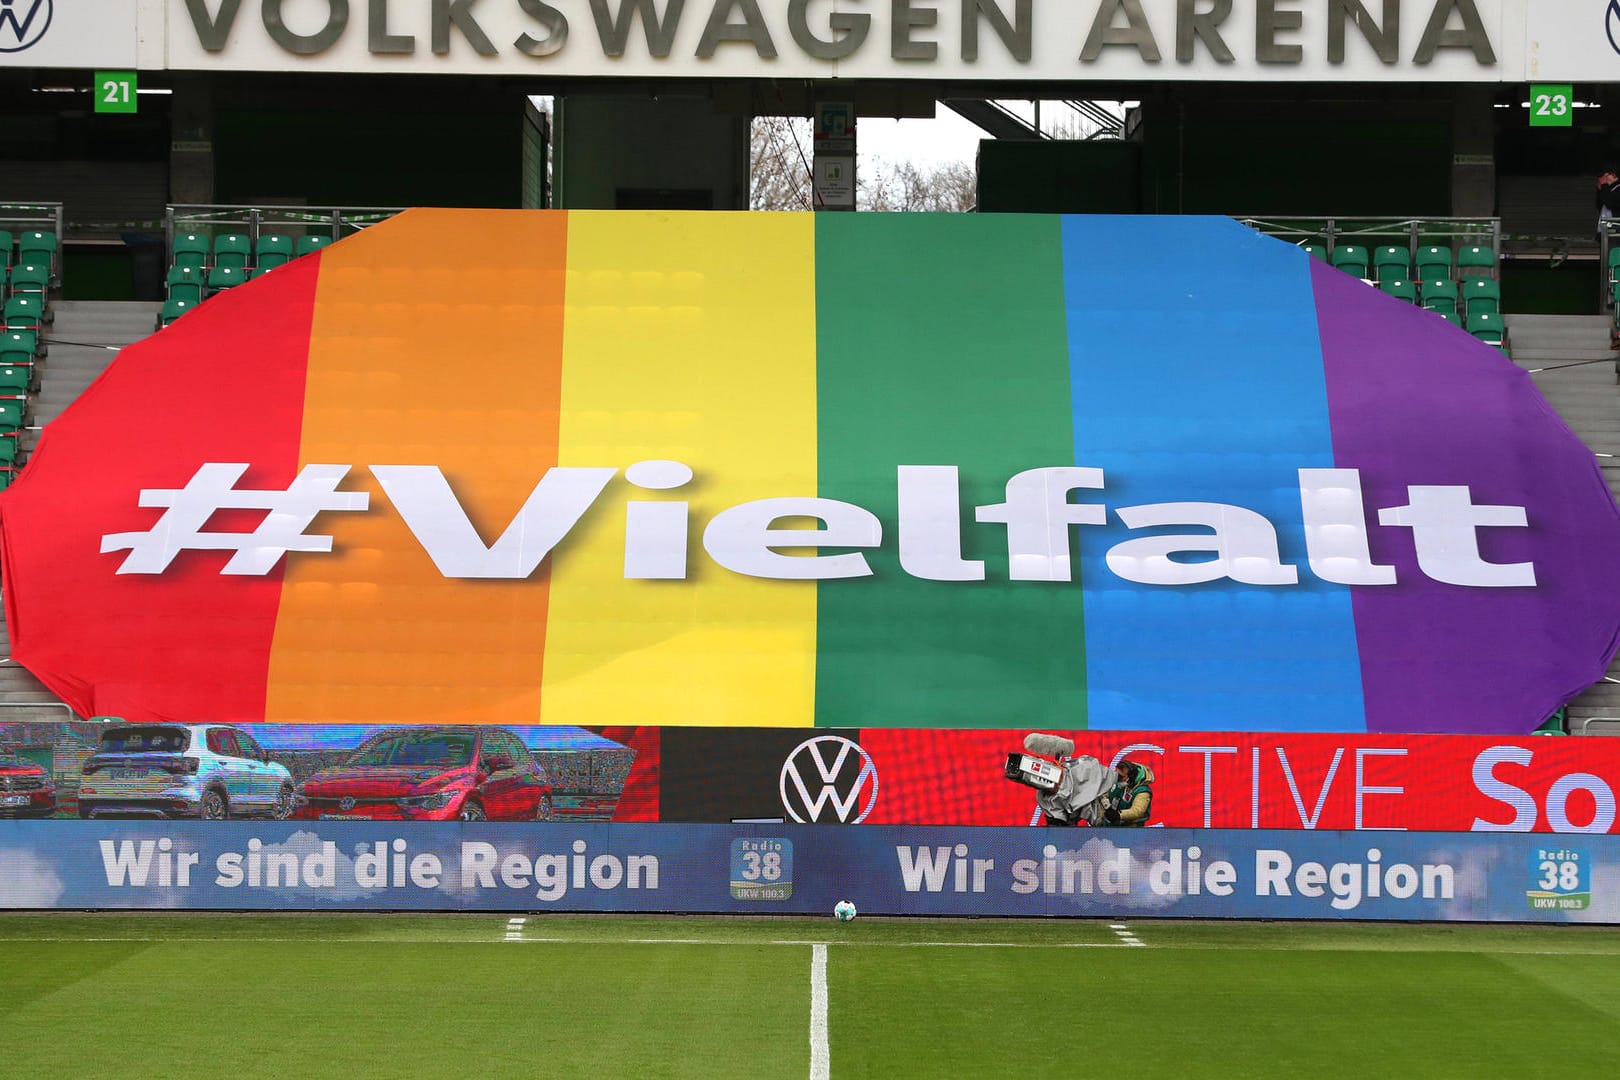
(418, 358)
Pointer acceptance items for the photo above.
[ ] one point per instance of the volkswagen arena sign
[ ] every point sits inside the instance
(753, 470)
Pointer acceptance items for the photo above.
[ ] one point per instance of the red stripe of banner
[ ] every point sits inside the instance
(165, 412)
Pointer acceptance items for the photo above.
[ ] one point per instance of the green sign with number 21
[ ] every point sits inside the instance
(115, 91)
(1552, 106)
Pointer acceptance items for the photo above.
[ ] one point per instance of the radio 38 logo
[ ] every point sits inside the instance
(1560, 879)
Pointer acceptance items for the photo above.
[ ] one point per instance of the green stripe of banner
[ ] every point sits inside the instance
(942, 346)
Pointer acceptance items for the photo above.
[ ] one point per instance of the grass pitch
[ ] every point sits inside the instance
(128, 997)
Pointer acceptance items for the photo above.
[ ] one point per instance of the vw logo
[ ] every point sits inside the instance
(23, 23)
(822, 773)
(346, 803)
(1612, 25)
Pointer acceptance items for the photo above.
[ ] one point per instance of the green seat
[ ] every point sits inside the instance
(1440, 295)
(32, 278)
(24, 313)
(272, 251)
(1352, 259)
(1475, 261)
(1392, 263)
(307, 244)
(1400, 289)
(7, 241)
(1487, 326)
(232, 250)
(1433, 262)
(18, 346)
(1482, 295)
(38, 246)
(186, 283)
(1614, 263)
(1316, 251)
(1451, 317)
(15, 378)
(190, 249)
(221, 278)
(11, 413)
(172, 309)
(8, 454)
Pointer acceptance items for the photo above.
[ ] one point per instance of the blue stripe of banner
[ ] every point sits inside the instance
(1196, 374)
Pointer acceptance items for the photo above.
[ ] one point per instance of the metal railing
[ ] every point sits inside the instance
(32, 216)
(333, 221)
(1414, 232)
(64, 706)
(1586, 724)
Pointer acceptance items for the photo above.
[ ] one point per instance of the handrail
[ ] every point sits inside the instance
(1590, 720)
(64, 706)
(337, 221)
(1412, 230)
(21, 213)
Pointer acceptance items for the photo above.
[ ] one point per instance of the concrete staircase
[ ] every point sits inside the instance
(83, 340)
(1571, 362)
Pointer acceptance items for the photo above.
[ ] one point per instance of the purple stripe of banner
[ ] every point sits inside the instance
(1414, 401)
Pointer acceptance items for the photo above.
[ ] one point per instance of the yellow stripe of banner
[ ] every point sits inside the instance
(689, 337)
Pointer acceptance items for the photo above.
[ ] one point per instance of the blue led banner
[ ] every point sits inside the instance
(782, 869)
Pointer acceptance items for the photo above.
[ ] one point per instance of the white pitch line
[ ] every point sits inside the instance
(618, 941)
(820, 1067)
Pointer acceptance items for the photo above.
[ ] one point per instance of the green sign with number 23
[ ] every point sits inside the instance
(1552, 106)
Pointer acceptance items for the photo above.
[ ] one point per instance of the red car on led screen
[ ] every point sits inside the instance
(25, 788)
(432, 774)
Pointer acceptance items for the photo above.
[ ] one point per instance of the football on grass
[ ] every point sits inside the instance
(844, 911)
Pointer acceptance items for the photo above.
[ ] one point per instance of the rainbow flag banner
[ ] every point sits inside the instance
(814, 471)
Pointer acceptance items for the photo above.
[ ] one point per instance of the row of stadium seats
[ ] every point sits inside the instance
(236, 251)
(1464, 292)
(28, 273)
(1391, 262)
(200, 269)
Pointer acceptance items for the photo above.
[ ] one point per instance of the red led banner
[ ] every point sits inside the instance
(1268, 781)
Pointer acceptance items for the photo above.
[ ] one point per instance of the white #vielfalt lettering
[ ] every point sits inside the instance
(213, 488)
(1231, 542)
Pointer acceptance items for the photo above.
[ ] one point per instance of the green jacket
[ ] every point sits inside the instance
(1134, 799)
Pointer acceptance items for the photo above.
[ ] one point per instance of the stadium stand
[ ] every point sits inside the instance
(1481, 295)
(221, 278)
(1352, 259)
(1392, 263)
(1477, 260)
(185, 283)
(271, 251)
(1440, 294)
(1433, 263)
(1399, 288)
(173, 308)
(232, 251)
(1487, 326)
(189, 250)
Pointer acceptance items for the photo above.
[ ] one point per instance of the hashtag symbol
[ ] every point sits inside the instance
(213, 488)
